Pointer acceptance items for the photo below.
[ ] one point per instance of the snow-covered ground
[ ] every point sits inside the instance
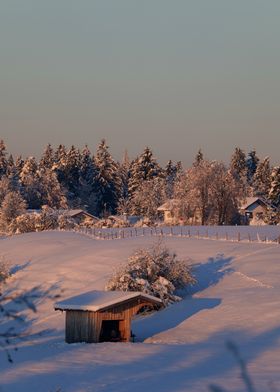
(181, 348)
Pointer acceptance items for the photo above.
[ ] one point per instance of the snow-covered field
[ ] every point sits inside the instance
(181, 348)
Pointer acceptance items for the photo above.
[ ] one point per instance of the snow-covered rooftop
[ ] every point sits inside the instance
(169, 205)
(98, 300)
(251, 200)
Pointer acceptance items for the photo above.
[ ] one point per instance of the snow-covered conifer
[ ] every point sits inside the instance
(274, 192)
(252, 164)
(198, 158)
(12, 206)
(3, 159)
(108, 180)
(261, 179)
(47, 159)
(143, 168)
(146, 199)
(239, 171)
(87, 182)
(30, 183)
(50, 190)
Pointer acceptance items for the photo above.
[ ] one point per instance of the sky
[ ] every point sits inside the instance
(174, 75)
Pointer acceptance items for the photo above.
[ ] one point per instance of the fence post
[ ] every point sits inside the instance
(181, 231)
(171, 231)
(189, 233)
(249, 237)
(238, 237)
(226, 236)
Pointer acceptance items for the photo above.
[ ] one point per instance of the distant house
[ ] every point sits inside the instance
(253, 211)
(103, 316)
(168, 209)
(80, 216)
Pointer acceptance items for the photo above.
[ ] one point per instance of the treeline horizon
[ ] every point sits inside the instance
(208, 191)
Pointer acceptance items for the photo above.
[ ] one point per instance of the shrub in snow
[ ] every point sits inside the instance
(65, 222)
(4, 272)
(155, 271)
(25, 223)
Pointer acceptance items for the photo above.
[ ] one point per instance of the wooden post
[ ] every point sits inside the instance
(238, 237)
(161, 233)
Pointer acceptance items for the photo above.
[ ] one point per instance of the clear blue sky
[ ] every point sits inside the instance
(176, 75)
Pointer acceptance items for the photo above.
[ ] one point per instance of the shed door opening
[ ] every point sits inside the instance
(110, 331)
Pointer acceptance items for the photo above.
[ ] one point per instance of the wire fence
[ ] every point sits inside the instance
(259, 234)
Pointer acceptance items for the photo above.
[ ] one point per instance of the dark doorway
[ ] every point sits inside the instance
(110, 331)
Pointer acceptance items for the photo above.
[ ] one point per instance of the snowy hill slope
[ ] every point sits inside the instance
(180, 348)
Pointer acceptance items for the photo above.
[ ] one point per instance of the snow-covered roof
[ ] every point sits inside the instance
(75, 212)
(169, 205)
(251, 200)
(98, 300)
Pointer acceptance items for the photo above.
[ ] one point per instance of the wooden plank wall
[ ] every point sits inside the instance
(85, 326)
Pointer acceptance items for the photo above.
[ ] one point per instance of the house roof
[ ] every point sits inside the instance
(168, 205)
(75, 212)
(98, 300)
(249, 201)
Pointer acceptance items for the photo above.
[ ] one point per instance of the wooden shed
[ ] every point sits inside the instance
(103, 316)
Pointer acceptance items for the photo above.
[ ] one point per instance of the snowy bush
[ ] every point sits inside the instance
(4, 272)
(25, 223)
(65, 222)
(155, 271)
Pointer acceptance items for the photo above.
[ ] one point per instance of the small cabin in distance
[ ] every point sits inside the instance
(253, 211)
(103, 316)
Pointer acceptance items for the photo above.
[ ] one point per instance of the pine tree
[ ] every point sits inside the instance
(30, 183)
(142, 169)
(252, 164)
(47, 159)
(148, 197)
(50, 190)
(88, 182)
(12, 206)
(170, 173)
(261, 179)
(238, 169)
(108, 180)
(198, 158)
(3, 159)
(274, 193)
